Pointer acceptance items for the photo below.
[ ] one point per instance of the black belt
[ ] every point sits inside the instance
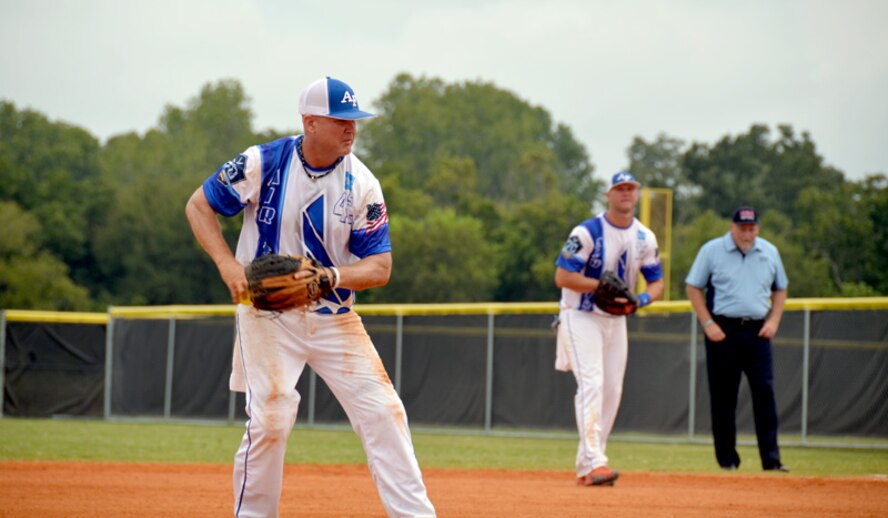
(740, 321)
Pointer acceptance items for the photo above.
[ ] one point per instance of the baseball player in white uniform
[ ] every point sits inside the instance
(309, 195)
(592, 343)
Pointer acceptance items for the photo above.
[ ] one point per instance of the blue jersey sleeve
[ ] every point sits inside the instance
(569, 262)
(219, 187)
(652, 273)
(365, 243)
(222, 199)
(575, 251)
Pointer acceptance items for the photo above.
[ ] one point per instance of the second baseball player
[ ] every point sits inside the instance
(594, 344)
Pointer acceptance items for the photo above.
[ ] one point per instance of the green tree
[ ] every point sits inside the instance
(50, 169)
(154, 176)
(841, 228)
(453, 181)
(808, 275)
(405, 201)
(687, 241)
(732, 172)
(752, 169)
(529, 240)
(442, 257)
(836, 243)
(873, 198)
(797, 166)
(422, 120)
(483, 152)
(31, 277)
(659, 164)
(217, 122)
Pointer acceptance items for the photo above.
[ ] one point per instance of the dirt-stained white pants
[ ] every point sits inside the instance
(271, 353)
(595, 347)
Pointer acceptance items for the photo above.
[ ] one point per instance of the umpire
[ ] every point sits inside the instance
(740, 312)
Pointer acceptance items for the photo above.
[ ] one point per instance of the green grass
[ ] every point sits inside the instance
(95, 440)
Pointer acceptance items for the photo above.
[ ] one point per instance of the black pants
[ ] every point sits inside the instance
(742, 352)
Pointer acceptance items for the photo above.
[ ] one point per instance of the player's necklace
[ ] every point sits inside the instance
(310, 171)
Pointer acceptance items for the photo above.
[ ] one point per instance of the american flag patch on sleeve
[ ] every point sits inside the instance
(376, 216)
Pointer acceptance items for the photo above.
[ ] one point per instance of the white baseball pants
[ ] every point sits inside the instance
(273, 351)
(595, 347)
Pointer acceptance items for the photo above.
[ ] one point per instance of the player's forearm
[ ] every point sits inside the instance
(655, 289)
(574, 281)
(369, 272)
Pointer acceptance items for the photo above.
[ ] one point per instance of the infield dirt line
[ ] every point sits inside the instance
(81, 489)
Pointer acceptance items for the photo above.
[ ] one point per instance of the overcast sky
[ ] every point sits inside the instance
(611, 70)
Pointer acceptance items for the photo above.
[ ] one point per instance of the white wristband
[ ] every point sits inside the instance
(335, 277)
(706, 324)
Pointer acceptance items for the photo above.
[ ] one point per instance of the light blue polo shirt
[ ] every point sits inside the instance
(739, 285)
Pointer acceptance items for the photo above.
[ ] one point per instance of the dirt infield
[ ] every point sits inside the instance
(75, 489)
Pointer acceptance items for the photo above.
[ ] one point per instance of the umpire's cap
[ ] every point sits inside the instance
(330, 97)
(746, 216)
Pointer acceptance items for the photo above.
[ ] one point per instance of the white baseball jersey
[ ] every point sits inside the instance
(336, 216)
(594, 344)
(597, 245)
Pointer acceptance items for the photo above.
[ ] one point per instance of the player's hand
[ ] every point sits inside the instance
(303, 274)
(714, 332)
(233, 276)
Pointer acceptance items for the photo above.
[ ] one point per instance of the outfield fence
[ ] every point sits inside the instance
(487, 368)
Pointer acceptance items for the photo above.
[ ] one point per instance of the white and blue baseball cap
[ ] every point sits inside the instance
(621, 178)
(332, 98)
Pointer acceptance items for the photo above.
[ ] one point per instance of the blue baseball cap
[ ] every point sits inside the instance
(621, 178)
(332, 98)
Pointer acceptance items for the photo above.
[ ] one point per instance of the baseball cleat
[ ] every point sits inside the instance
(600, 476)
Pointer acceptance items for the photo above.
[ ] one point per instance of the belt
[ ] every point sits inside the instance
(740, 321)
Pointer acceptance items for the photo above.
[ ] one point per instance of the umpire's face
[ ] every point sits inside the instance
(333, 137)
(744, 235)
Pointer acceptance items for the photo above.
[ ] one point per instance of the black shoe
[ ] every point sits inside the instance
(729, 467)
(779, 467)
